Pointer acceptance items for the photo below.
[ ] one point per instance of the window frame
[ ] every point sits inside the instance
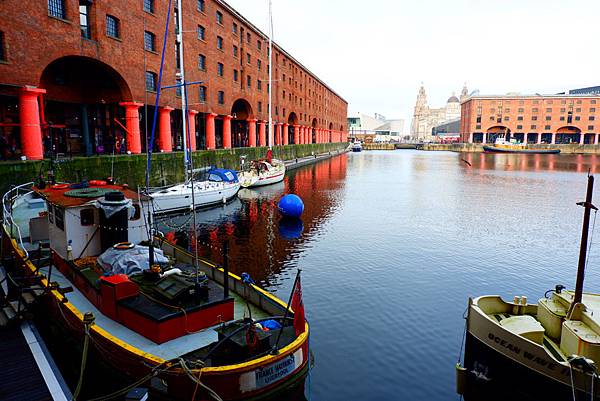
(148, 34)
(110, 19)
(53, 10)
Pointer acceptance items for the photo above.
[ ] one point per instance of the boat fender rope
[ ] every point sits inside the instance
(88, 321)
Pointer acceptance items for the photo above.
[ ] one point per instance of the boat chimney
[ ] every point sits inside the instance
(584, 242)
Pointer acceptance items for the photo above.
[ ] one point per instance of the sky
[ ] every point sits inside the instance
(376, 53)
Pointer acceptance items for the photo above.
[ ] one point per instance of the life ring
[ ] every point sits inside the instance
(123, 246)
(98, 183)
(60, 186)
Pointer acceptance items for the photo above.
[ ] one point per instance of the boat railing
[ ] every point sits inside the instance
(8, 200)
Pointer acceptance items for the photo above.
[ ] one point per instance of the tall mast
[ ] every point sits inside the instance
(270, 76)
(584, 242)
(181, 79)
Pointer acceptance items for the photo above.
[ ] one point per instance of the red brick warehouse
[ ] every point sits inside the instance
(80, 76)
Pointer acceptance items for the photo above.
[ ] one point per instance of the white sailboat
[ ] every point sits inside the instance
(265, 171)
(220, 185)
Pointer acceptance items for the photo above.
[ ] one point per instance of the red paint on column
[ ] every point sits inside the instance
(296, 134)
(227, 132)
(277, 134)
(252, 132)
(286, 134)
(31, 130)
(211, 142)
(165, 142)
(262, 133)
(132, 122)
(192, 129)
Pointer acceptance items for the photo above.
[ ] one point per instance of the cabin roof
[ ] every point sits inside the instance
(56, 194)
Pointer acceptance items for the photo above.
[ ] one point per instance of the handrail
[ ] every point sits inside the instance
(7, 204)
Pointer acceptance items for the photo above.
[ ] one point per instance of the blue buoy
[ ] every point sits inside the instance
(291, 206)
(290, 228)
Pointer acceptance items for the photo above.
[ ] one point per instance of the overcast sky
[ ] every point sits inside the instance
(375, 53)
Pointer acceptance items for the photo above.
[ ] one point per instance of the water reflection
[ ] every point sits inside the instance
(533, 162)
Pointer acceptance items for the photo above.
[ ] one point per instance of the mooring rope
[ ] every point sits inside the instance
(88, 321)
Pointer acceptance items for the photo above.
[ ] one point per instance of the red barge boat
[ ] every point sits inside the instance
(203, 331)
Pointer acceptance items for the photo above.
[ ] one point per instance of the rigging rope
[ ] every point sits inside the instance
(591, 239)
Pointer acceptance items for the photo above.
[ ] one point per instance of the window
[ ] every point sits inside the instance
(563, 110)
(478, 126)
(149, 41)
(592, 110)
(219, 17)
(259, 85)
(534, 118)
(590, 127)
(259, 64)
(591, 118)
(86, 216)
(579, 102)
(235, 75)
(578, 110)
(235, 28)
(220, 69)
(478, 117)
(59, 215)
(260, 107)
(506, 118)
(507, 110)
(248, 58)
(149, 6)
(221, 97)
(112, 26)
(562, 118)
(533, 126)
(593, 101)
(200, 5)
(235, 51)
(535, 110)
(520, 118)
(202, 62)
(201, 32)
(549, 110)
(150, 81)
(248, 37)
(219, 43)
(249, 81)
(2, 52)
(56, 8)
(202, 94)
(577, 118)
(548, 118)
(259, 45)
(84, 19)
(547, 127)
(519, 127)
(521, 110)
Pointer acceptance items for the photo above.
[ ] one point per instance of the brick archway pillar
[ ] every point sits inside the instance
(227, 132)
(29, 118)
(165, 142)
(211, 142)
(132, 122)
(252, 132)
(296, 134)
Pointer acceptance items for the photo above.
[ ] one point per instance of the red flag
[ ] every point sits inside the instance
(298, 307)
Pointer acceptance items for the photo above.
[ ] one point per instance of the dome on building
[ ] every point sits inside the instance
(453, 99)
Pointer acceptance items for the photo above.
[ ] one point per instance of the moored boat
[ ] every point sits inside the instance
(503, 146)
(357, 146)
(262, 172)
(547, 350)
(150, 311)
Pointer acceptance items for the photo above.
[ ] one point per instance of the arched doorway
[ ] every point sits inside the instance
(241, 111)
(313, 131)
(292, 122)
(568, 134)
(498, 131)
(81, 107)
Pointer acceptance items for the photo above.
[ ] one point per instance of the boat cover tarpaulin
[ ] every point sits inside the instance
(220, 174)
(111, 208)
(129, 261)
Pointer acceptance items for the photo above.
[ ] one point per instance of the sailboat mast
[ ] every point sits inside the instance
(181, 79)
(270, 76)
(584, 241)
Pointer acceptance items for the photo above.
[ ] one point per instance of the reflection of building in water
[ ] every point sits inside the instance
(255, 244)
(532, 162)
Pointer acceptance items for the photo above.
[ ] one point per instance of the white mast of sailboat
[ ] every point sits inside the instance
(270, 75)
(181, 79)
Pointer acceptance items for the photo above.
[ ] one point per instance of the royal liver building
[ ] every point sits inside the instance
(425, 117)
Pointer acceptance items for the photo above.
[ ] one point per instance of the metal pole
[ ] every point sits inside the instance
(584, 242)
(182, 79)
(287, 311)
(226, 269)
(270, 76)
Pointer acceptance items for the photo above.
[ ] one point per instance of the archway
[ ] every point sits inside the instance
(568, 134)
(313, 133)
(292, 122)
(81, 106)
(241, 111)
(497, 131)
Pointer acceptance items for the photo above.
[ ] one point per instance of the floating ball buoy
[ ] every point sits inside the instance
(290, 228)
(291, 206)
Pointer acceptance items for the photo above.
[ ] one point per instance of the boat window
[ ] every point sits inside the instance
(138, 213)
(59, 214)
(229, 175)
(87, 217)
(51, 213)
(214, 177)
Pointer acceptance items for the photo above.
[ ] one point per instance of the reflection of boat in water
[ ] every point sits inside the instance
(548, 350)
(210, 215)
(183, 324)
(271, 192)
(357, 146)
(219, 186)
(501, 145)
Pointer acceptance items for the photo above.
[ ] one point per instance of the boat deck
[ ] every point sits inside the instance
(168, 350)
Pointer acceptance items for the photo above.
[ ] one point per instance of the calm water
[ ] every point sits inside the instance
(392, 245)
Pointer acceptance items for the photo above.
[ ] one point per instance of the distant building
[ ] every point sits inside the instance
(592, 90)
(426, 118)
(531, 118)
(377, 129)
(448, 131)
